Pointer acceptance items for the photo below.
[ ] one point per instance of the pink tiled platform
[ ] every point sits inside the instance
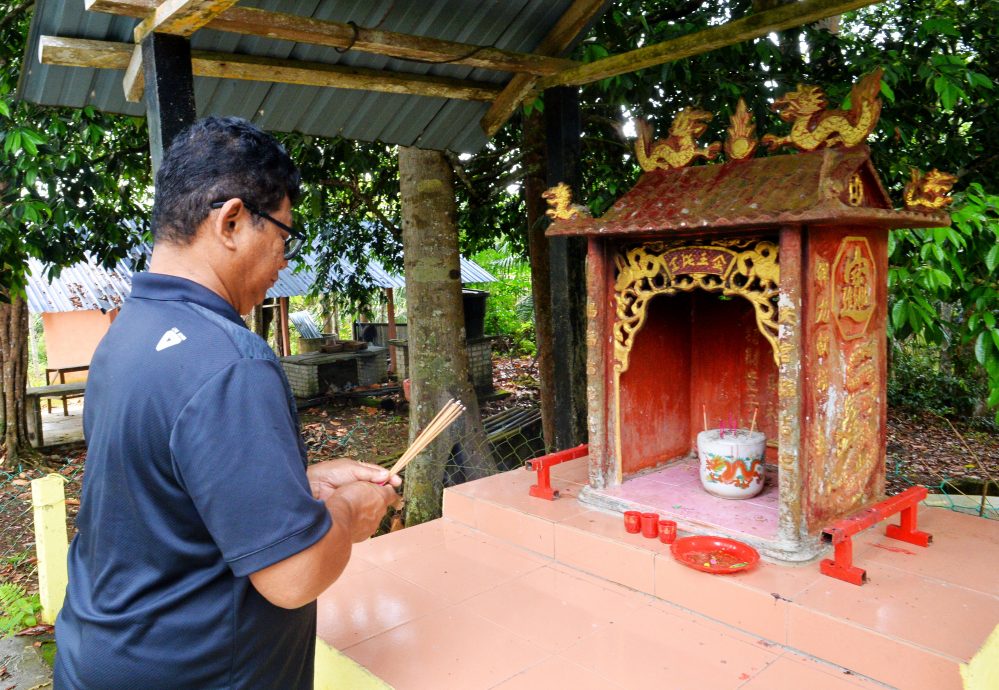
(509, 591)
(675, 492)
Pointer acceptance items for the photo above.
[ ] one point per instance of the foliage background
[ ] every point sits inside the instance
(67, 177)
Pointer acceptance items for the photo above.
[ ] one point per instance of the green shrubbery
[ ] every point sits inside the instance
(921, 380)
(510, 307)
(18, 610)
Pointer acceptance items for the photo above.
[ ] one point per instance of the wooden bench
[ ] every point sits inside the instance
(58, 375)
(33, 405)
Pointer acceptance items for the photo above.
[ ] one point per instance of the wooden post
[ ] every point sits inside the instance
(390, 296)
(568, 275)
(283, 306)
(166, 62)
(48, 497)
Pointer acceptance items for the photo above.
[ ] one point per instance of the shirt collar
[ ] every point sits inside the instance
(159, 286)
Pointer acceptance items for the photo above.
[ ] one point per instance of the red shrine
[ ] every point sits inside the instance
(754, 289)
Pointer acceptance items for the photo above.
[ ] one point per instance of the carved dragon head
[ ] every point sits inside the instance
(934, 182)
(690, 122)
(802, 102)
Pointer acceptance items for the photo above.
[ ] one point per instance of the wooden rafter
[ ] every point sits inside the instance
(250, 21)
(75, 52)
(752, 26)
(180, 17)
(575, 19)
(127, 8)
(134, 81)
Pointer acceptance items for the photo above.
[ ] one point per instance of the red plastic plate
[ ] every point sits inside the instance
(716, 555)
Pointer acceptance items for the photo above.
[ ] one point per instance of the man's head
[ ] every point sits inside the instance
(222, 211)
(217, 159)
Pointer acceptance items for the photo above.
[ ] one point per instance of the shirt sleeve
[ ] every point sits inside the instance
(236, 451)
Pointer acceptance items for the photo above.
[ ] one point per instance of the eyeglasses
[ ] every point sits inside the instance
(292, 244)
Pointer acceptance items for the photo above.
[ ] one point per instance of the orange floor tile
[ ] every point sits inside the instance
(509, 591)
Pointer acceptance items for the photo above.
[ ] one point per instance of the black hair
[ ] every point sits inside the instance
(217, 159)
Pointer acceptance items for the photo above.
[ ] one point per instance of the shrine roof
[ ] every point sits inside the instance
(807, 188)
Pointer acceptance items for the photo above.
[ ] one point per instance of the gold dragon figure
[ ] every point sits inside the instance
(814, 127)
(559, 198)
(928, 192)
(680, 148)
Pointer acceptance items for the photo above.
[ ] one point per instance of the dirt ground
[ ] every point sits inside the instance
(922, 449)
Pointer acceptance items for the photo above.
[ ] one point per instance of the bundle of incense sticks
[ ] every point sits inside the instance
(448, 414)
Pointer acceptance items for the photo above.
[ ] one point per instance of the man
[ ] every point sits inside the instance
(203, 540)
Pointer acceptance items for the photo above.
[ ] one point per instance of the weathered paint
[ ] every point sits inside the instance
(598, 343)
(801, 338)
(789, 422)
(846, 372)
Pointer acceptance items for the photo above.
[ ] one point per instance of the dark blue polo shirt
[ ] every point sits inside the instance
(195, 478)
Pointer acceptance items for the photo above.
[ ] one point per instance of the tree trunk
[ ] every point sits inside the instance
(437, 351)
(534, 185)
(14, 362)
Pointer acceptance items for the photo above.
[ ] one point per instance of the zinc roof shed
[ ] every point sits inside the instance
(438, 74)
(416, 73)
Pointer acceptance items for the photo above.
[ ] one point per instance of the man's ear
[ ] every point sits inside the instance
(225, 224)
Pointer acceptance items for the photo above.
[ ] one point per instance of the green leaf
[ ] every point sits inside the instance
(899, 314)
(992, 258)
(980, 346)
(887, 92)
(940, 277)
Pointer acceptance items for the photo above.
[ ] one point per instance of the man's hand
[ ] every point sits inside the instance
(328, 476)
(362, 505)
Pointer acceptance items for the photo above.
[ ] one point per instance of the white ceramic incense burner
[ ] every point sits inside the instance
(732, 462)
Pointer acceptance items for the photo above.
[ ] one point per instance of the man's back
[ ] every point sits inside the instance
(194, 479)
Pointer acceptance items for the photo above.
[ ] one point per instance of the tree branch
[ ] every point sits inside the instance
(462, 174)
(368, 202)
(14, 14)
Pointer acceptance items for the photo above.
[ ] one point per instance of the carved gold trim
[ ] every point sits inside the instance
(856, 190)
(747, 268)
(854, 287)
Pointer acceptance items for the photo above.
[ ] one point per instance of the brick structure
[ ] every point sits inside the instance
(480, 362)
(318, 373)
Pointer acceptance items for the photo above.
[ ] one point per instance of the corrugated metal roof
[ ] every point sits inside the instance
(434, 123)
(304, 324)
(83, 286)
(88, 285)
(794, 188)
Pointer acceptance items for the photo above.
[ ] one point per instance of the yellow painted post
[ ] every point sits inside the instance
(982, 670)
(334, 669)
(48, 496)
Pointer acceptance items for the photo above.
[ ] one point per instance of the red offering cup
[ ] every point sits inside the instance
(667, 531)
(650, 525)
(632, 521)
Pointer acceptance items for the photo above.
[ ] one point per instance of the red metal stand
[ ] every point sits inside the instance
(543, 489)
(840, 534)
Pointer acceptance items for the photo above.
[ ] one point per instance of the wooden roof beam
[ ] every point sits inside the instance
(128, 8)
(180, 17)
(250, 21)
(752, 26)
(76, 52)
(575, 19)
